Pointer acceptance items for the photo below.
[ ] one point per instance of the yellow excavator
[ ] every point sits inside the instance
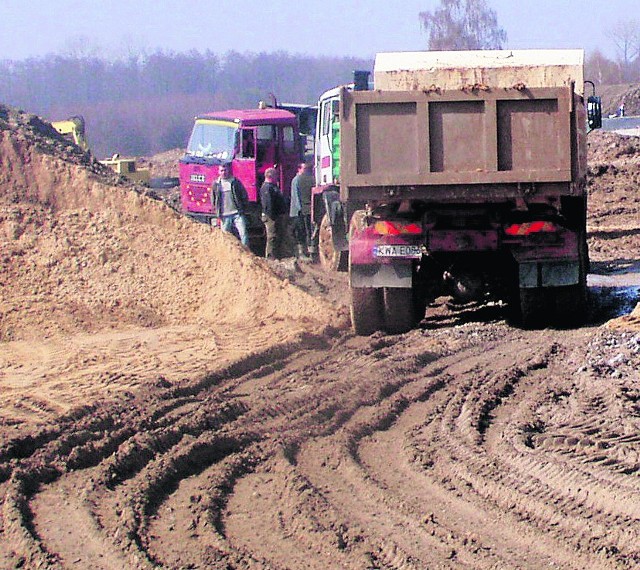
(73, 130)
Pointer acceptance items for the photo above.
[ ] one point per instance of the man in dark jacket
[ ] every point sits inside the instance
(300, 212)
(230, 203)
(274, 210)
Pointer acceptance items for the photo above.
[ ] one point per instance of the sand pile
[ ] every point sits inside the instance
(81, 254)
(163, 164)
(105, 290)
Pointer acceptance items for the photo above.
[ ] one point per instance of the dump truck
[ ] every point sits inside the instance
(461, 174)
(250, 141)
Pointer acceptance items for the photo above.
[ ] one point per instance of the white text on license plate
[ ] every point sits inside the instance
(410, 251)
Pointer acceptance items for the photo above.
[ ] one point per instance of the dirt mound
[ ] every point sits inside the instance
(606, 147)
(614, 196)
(164, 164)
(614, 95)
(113, 289)
(80, 255)
(614, 207)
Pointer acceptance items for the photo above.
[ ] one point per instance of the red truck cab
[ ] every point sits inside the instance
(251, 141)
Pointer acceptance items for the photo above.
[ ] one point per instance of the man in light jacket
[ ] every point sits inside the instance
(230, 203)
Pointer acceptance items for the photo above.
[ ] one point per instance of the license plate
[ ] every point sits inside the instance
(406, 251)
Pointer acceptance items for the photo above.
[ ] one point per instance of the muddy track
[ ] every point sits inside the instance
(474, 446)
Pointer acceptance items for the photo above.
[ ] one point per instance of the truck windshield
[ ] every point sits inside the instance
(213, 138)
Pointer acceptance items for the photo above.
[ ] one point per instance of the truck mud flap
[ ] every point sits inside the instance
(548, 274)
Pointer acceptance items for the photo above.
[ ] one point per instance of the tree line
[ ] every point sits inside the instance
(143, 105)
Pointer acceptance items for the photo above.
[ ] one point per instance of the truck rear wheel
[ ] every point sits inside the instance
(400, 311)
(330, 258)
(366, 310)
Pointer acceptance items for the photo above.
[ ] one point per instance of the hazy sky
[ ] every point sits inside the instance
(34, 28)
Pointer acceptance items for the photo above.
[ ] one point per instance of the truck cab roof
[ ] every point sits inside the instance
(252, 117)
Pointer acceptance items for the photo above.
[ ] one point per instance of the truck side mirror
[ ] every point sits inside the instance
(361, 80)
(594, 112)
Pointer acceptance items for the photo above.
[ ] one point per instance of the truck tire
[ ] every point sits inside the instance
(400, 311)
(366, 310)
(330, 258)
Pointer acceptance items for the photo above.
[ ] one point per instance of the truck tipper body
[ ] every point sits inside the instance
(460, 173)
(250, 141)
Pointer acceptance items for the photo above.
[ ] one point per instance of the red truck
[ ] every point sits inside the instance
(250, 140)
(460, 173)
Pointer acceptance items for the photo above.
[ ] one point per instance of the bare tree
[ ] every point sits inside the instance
(601, 70)
(626, 37)
(462, 25)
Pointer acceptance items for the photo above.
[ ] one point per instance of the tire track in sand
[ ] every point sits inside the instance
(439, 449)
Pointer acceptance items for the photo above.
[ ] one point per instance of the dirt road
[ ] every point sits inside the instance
(471, 445)
(171, 401)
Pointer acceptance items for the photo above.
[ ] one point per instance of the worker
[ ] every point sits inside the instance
(300, 212)
(230, 203)
(274, 210)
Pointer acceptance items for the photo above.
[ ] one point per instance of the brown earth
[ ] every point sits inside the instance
(164, 164)
(172, 401)
(614, 95)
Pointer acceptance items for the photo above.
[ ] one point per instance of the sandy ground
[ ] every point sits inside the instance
(170, 400)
